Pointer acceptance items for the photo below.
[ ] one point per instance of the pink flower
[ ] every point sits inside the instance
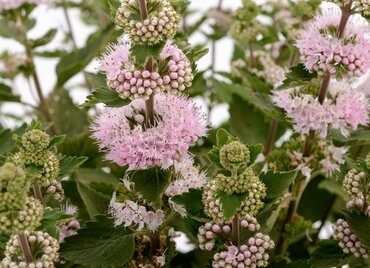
(322, 51)
(115, 59)
(188, 177)
(123, 134)
(345, 108)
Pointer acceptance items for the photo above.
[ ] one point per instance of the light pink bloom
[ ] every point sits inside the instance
(123, 134)
(322, 51)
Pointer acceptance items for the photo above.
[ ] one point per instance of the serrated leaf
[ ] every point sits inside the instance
(47, 38)
(107, 96)
(277, 183)
(68, 164)
(296, 76)
(151, 184)
(142, 53)
(100, 245)
(230, 203)
(51, 219)
(214, 156)
(56, 140)
(6, 94)
(113, 5)
(360, 225)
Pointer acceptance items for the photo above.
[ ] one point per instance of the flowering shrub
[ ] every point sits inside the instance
(118, 180)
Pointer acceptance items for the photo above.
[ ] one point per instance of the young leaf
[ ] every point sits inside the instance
(107, 96)
(296, 76)
(231, 203)
(68, 164)
(47, 38)
(141, 52)
(255, 150)
(56, 140)
(222, 137)
(100, 245)
(6, 94)
(277, 183)
(151, 184)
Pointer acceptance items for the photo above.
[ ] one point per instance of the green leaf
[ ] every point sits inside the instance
(76, 61)
(96, 80)
(6, 94)
(47, 38)
(231, 203)
(327, 254)
(107, 96)
(255, 150)
(222, 137)
(62, 109)
(333, 187)
(9, 29)
(100, 245)
(113, 5)
(56, 140)
(277, 183)
(360, 225)
(95, 189)
(6, 141)
(297, 75)
(142, 53)
(151, 184)
(192, 201)
(68, 164)
(214, 156)
(260, 101)
(51, 219)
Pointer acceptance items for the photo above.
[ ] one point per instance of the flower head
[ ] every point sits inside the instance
(324, 51)
(123, 134)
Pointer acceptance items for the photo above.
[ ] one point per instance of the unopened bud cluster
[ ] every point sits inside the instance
(14, 186)
(246, 31)
(180, 75)
(353, 184)
(348, 241)
(45, 256)
(208, 233)
(160, 25)
(234, 155)
(254, 254)
(235, 184)
(250, 206)
(54, 189)
(137, 84)
(28, 218)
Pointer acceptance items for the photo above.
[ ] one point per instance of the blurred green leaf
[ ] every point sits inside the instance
(47, 38)
(100, 245)
(327, 254)
(6, 94)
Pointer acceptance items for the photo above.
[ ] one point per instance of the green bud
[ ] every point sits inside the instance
(235, 184)
(234, 155)
(50, 169)
(35, 140)
(14, 187)
(26, 219)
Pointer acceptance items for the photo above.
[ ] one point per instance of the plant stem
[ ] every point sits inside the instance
(346, 13)
(236, 231)
(143, 9)
(69, 24)
(23, 242)
(251, 54)
(37, 192)
(271, 137)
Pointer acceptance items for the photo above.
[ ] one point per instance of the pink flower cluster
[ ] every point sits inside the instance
(345, 108)
(255, 254)
(322, 51)
(123, 134)
(130, 213)
(135, 84)
(14, 4)
(188, 177)
(334, 157)
(179, 76)
(130, 84)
